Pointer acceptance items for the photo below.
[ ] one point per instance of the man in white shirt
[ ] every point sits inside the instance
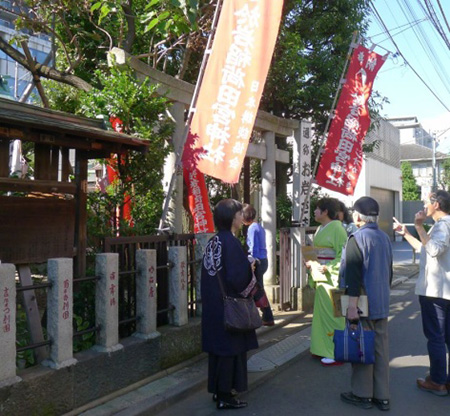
(433, 287)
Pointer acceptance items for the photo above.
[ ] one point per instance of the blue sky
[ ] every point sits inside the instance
(426, 51)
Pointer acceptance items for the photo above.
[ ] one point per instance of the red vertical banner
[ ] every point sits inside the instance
(197, 195)
(232, 85)
(341, 161)
(113, 175)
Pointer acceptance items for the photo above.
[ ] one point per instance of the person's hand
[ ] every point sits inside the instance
(399, 228)
(252, 261)
(322, 269)
(353, 316)
(419, 218)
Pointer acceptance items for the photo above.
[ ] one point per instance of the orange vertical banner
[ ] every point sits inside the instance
(342, 159)
(232, 85)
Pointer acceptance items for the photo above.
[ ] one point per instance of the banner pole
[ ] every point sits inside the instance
(179, 149)
(333, 106)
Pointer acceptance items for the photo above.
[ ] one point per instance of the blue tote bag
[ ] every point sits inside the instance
(354, 346)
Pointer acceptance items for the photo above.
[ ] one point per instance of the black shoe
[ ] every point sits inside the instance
(381, 404)
(233, 394)
(362, 402)
(231, 404)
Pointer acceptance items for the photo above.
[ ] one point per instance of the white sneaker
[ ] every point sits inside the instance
(327, 361)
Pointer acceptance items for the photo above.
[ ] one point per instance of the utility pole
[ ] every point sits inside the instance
(433, 162)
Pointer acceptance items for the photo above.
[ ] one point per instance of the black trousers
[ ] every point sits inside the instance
(226, 373)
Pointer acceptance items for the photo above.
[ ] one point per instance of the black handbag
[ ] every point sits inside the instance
(240, 313)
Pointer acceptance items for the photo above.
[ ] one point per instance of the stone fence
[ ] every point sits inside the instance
(128, 360)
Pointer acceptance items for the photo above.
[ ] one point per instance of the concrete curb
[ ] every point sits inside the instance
(161, 390)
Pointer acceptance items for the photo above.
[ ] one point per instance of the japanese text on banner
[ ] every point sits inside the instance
(232, 85)
(341, 162)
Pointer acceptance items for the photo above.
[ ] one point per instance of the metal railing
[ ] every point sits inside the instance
(286, 259)
(126, 247)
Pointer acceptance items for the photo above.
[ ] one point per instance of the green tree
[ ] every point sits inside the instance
(164, 32)
(444, 180)
(310, 54)
(139, 107)
(410, 189)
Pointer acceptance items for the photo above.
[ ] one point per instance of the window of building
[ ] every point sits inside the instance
(6, 4)
(6, 23)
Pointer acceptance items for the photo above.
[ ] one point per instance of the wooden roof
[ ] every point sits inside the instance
(41, 125)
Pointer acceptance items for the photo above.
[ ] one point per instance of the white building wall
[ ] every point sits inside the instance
(374, 174)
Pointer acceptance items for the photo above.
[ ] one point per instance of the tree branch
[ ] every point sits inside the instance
(131, 33)
(43, 70)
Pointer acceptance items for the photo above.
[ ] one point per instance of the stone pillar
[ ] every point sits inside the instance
(269, 205)
(60, 313)
(106, 302)
(201, 241)
(178, 285)
(146, 306)
(302, 172)
(174, 216)
(296, 169)
(8, 325)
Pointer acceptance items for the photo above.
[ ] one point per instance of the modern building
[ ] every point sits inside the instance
(419, 148)
(16, 77)
(421, 159)
(412, 131)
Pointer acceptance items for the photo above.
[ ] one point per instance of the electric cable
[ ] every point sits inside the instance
(377, 15)
(427, 46)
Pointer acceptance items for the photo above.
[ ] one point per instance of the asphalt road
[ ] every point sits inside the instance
(303, 387)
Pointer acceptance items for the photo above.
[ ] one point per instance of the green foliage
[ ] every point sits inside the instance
(85, 341)
(24, 359)
(284, 211)
(309, 57)
(444, 180)
(140, 108)
(170, 18)
(410, 189)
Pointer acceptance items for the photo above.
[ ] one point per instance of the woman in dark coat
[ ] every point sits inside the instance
(227, 371)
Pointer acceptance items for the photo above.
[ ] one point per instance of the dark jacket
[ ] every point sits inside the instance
(225, 253)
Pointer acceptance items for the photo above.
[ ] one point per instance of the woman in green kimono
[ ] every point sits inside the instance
(329, 240)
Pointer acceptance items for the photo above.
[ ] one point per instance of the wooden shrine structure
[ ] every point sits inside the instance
(45, 217)
(50, 220)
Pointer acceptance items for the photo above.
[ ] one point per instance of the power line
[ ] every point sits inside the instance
(377, 15)
(443, 14)
(435, 20)
(424, 41)
(405, 27)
